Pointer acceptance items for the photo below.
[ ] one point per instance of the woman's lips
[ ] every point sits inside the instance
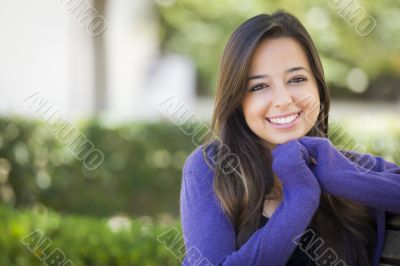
(285, 126)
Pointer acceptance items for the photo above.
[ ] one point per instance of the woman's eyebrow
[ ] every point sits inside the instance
(292, 69)
(257, 77)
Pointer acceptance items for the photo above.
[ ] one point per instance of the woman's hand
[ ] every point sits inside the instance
(330, 162)
(290, 165)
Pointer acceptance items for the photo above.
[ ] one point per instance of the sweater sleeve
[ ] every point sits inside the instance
(378, 186)
(209, 236)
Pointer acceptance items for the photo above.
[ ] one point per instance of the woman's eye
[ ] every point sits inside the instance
(297, 80)
(258, 87)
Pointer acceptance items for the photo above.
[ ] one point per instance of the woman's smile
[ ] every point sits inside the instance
(285, 122)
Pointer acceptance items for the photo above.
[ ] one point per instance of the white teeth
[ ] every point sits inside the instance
(285, 120)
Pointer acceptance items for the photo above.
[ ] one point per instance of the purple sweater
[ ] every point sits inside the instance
(209, 236)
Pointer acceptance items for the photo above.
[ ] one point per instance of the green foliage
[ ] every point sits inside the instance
(200, 29)
(140, 175)
(84, 241)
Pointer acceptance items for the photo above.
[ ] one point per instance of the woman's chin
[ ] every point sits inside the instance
(281, 141)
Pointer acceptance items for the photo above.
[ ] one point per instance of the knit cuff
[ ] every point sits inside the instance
(306, 154)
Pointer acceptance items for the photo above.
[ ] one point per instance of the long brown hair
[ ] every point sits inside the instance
(345, 226)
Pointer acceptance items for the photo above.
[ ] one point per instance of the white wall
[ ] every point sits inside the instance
(44, 48)
(33, 53)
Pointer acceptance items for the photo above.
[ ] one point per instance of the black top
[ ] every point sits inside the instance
(298, 257)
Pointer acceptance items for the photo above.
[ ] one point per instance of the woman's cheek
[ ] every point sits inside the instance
(311, 114)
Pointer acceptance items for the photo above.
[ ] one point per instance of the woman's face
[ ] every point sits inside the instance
(280, 85)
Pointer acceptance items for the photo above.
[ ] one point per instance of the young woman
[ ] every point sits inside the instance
(269, 188)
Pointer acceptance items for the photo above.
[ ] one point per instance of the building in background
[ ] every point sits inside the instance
(119, 74)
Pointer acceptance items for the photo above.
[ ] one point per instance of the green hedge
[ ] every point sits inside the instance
(140, 175)
(84, 241)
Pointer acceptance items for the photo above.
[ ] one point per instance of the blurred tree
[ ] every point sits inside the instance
(200, 29)
(100, 64)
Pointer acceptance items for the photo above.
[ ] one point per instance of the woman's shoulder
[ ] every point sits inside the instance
(198, 172)
(200, 160)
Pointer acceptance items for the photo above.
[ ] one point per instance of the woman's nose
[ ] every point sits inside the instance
(282, 97)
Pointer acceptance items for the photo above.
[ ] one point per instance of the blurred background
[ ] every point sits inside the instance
(90, 152)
